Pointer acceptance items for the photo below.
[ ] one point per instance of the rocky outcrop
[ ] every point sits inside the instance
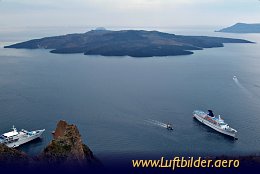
(67, 148)
(10, 156)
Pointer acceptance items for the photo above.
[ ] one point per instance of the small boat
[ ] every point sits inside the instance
(169, 127)
(14, 138)
(235, 78)
(216, 123)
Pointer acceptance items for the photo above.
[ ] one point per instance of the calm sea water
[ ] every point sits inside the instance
(120, 103)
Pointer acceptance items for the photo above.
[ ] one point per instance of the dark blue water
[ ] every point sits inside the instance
(118, 103)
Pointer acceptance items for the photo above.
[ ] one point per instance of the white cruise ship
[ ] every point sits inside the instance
(215, 123)
(14, 138)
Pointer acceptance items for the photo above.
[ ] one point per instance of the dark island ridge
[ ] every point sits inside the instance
(134, 43)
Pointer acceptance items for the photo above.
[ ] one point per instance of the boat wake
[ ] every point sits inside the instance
(242, 87)
(156, 123)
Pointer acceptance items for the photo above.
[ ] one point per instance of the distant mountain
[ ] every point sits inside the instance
(100, 28)
(242, 28)
(135, 43)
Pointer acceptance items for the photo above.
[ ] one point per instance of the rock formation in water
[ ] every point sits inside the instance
(67, 148)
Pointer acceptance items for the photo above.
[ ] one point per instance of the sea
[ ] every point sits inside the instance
(121, 105)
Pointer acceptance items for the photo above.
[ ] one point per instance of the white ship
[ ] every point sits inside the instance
(14, 138)
(215, 123)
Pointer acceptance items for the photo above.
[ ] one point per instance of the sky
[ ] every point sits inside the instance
(127, 13)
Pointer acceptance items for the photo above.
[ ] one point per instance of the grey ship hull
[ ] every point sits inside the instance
(213, 126)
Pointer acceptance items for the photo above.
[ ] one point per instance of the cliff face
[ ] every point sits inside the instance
(67, 148)
(9, 156)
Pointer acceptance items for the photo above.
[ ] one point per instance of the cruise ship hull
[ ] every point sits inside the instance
(25, 139)
(213, 126)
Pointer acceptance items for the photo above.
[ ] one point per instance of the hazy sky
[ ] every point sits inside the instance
(127, 13)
